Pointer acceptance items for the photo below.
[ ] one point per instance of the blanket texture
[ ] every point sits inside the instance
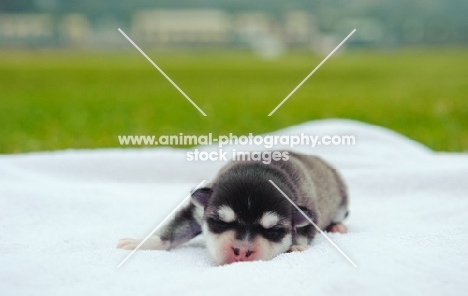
(62, 213)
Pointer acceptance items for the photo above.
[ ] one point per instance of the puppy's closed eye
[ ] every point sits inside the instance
(217, 225)
(275, 233)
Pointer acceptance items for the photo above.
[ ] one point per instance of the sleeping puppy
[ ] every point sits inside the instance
(244, 217)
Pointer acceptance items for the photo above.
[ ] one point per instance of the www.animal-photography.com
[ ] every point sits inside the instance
(159, 147)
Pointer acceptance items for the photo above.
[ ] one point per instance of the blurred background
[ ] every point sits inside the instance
(69, 79)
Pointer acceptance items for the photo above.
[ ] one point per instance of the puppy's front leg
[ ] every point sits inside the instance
(303, 232)
(300, 243)
(182, 228)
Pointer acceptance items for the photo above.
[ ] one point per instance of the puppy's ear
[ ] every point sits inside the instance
(298, 218)
(201, 196)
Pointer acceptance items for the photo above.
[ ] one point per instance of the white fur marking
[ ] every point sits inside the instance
(214, 244)
(198, 214)
(269, 219)
(226, 214)
(301, 240)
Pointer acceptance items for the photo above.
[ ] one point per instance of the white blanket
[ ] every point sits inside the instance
(62, 213)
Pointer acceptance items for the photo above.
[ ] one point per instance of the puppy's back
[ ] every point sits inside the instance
(322, 188)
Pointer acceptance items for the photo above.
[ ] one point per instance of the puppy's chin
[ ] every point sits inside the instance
(221, 247)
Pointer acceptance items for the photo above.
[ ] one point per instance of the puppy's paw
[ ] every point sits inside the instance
(339, 228)
(152, 243)
(297, 248)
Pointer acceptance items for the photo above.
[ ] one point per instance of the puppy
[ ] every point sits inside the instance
(244, 217)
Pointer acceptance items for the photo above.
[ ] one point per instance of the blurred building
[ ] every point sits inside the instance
(251, 26)
(181, 27)
(300, 29)
(26, 29)
(260, 31)
(369, 33)
(290, 24)
(268, 33)
(75, 30)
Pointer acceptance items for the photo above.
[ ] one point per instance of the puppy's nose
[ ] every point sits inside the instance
(242, 253)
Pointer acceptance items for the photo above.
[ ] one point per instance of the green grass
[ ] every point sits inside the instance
(57, 99)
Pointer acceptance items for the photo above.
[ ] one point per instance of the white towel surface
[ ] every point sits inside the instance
(62, 213)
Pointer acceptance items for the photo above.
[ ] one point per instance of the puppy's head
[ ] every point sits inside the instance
(246, 220)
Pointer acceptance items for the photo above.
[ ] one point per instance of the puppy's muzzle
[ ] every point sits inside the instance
(242, 251)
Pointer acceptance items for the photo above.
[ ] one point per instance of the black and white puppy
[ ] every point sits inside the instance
(244, 217)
